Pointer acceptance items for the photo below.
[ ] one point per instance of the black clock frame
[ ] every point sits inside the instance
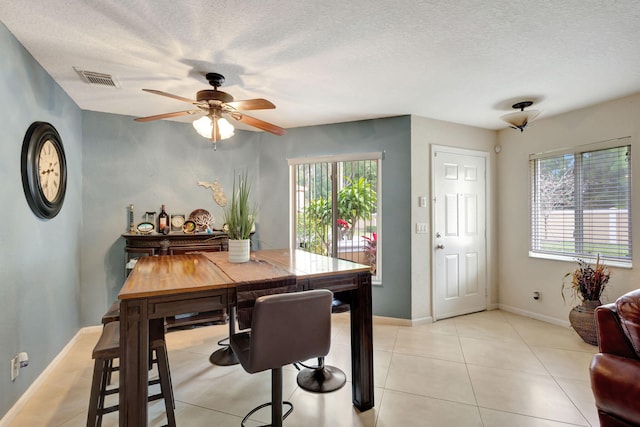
(36, 136)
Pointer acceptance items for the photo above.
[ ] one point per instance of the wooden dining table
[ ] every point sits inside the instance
(170, 285)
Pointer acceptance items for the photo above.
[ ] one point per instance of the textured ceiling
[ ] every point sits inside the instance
(335, 61)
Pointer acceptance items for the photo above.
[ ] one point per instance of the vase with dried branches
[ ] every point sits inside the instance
(587, 283)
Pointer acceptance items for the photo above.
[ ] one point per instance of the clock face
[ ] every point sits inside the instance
(44, 170)
(177, 221)
(49, 170)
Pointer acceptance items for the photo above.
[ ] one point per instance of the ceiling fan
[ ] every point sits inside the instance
(215, 105)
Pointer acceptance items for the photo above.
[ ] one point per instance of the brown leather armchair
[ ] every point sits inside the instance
(615, 371)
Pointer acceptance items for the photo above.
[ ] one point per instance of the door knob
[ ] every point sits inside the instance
(439, 246)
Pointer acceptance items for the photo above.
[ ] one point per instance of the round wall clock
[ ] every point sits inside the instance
(44, 170)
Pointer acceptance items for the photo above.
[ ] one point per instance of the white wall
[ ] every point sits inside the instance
(518, 274)
(424, 133)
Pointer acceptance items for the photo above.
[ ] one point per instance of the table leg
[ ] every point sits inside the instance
(134, 363)
(362, 344)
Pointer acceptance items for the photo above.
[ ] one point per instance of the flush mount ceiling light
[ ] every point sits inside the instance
(521, 119)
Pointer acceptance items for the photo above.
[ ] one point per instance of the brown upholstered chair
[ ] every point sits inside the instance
(285, 328)
(615, 371)
(245, 297)
(323, 378)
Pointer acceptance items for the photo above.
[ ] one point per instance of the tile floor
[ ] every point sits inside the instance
(486, 369)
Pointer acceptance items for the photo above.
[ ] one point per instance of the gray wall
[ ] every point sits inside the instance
(155, 163)
(39, 275)
(393, 136)
(147, 164)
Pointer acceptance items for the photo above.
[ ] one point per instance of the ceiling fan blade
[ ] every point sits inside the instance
(251, 104)
(169, 95)
(166, 115)
(260, 124)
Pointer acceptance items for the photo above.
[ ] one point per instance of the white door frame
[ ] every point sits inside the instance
(488, 172)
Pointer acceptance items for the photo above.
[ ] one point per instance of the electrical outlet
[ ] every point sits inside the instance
(15, 368)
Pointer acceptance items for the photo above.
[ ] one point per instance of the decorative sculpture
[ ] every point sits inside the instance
(218, 192)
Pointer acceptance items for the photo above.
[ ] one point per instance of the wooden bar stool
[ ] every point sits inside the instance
(104, 353)
(113, 313)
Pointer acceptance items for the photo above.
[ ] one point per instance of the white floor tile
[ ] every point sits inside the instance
(523, 393)
(486, 369)
(440, 379)
(401, 409)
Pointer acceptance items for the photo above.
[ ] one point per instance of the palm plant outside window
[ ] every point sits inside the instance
(335, 204)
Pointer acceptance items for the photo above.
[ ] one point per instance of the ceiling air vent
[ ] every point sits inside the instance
(97, 79)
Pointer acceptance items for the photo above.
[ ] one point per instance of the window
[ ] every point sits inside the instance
(336, 207)
(581, 203)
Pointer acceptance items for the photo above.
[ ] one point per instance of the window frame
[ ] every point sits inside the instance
(331, 159)
(577, 151)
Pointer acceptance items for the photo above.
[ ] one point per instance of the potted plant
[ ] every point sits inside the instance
(587, 283)
(343, 227)
(371, 251)
(239, 217)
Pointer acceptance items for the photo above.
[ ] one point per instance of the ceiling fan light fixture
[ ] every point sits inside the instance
(521, 119)
(204, 127)
(226, 129)
(214, 104)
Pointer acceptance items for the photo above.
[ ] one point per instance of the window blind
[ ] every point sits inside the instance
(581, 203)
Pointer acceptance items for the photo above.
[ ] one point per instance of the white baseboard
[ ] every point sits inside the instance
(391, 321)
(534, 315)
(35, 385)
(422, 321)
(394, 321)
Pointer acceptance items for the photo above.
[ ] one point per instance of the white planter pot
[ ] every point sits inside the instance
(239, 250)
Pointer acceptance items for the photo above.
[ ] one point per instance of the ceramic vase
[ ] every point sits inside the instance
(583, 320)
(239, 250)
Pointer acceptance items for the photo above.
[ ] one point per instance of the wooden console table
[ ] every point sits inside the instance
(168, 285)
(175, 243)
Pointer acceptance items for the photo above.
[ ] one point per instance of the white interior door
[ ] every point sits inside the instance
(459, 239)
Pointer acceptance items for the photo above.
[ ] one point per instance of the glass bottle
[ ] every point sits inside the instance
(163, 222)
